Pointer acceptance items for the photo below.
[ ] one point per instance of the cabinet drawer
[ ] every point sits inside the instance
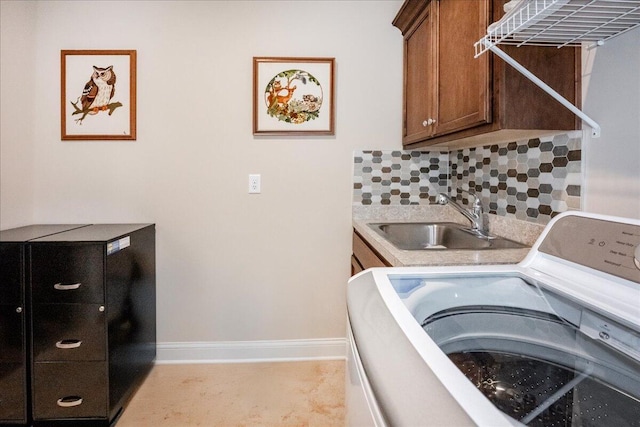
(10, 274)
(365, 255)
(11, 334)
(67, 273)
(355, 265)
(69, 390)
(65, 332)
(12, 392)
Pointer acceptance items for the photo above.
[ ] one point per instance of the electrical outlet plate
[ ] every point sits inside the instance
(254, 184)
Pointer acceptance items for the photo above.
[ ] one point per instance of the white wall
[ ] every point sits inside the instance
(17, 120)
(231, 266)
(611, 87)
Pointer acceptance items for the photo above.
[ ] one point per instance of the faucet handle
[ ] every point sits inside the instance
(476, 201)
(469, 193)
(476, 204)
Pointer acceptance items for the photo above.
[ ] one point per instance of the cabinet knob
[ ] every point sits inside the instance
(18, 309)
(428, 122)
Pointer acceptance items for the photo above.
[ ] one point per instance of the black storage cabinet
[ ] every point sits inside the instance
(90, 322)
(14, 362)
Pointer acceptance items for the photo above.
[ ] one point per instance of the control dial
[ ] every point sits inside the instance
(636, 257)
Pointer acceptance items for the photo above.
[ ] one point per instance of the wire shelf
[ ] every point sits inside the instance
(562, 23)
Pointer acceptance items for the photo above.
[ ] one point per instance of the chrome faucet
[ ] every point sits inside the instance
(475, 214)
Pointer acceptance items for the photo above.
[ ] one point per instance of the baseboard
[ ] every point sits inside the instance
(251, 351)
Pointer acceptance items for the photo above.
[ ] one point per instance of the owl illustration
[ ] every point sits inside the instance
(99, 90)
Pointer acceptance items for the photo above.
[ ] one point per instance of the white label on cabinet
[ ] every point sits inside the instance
(118, 245)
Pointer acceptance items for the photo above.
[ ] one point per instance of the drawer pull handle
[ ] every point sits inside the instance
(69, 287)
(69, 401)
(68, 344)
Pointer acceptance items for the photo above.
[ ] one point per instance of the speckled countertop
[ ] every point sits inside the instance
(520, 231)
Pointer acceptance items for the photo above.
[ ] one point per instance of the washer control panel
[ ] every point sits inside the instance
(611, 247)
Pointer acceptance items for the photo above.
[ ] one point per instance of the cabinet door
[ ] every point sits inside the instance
(12, 364)
(11, 274)
(11, 305)
(12, 341)
(463, 88)
(12, 392)
(11, 334)
(419, 78)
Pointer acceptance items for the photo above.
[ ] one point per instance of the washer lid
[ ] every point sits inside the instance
(529, 349)
(520, 300)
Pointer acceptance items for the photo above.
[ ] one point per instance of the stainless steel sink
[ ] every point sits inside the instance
(439, 235)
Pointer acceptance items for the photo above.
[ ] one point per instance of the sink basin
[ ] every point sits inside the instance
(439, 235)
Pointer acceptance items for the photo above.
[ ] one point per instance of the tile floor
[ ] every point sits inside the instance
(309, 393)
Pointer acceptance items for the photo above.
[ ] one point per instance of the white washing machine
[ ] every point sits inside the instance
(551, 341)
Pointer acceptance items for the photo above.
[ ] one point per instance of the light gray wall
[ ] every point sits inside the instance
(611, 88)
(17, 120)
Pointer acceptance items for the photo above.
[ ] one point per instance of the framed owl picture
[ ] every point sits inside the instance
(293, 96)
(98, 94)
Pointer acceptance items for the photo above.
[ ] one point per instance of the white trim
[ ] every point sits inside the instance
(251, 351)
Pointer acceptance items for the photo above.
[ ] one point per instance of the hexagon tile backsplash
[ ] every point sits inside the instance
(530, 180)
(399, 177)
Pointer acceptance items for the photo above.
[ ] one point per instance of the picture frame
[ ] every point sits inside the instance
(293, 96)
(98, 94)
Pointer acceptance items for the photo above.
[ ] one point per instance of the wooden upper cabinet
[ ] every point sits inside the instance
(462, 81)
(451, 98)
(419, 96)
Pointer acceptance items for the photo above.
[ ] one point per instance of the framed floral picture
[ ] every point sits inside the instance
(98, 94)
(293, 96)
